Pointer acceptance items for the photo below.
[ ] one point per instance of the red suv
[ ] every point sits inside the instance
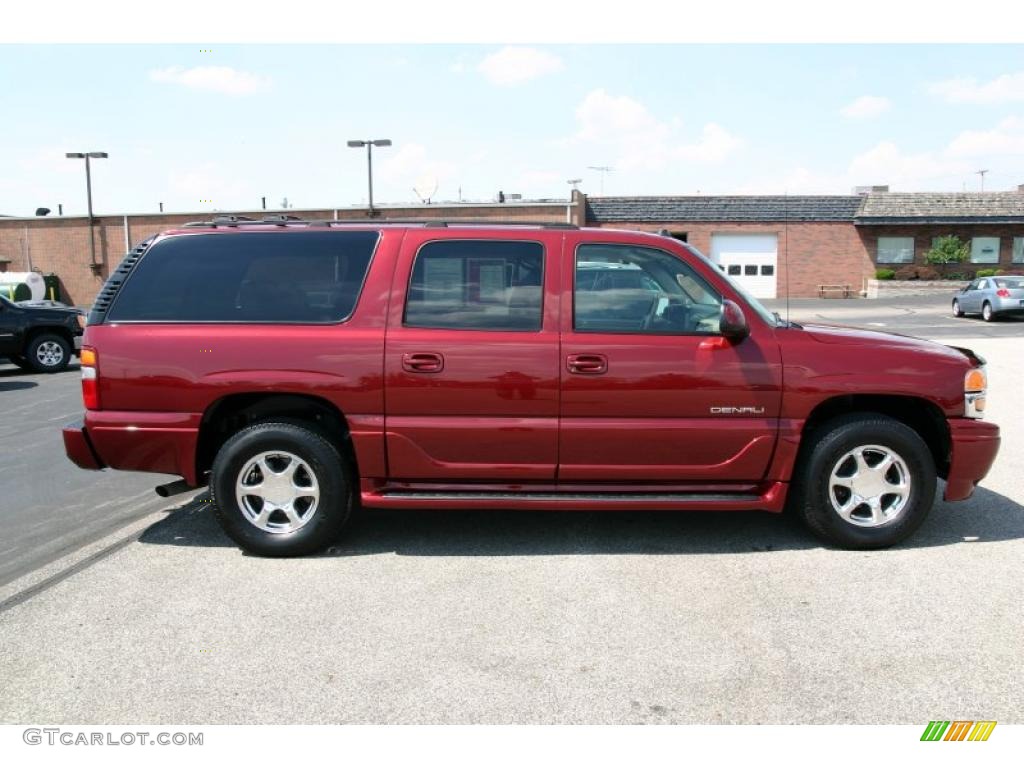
(302, 368)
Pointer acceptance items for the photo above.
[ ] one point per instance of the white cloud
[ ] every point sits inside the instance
(515, 64)
(627, 130)
(967, 90)
(1007, 138)
(416, 172)
(866, 106)
(714, 146)
(217, 79)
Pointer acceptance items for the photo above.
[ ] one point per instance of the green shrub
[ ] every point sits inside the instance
(948, 249)
(986, 272)
(885, 274)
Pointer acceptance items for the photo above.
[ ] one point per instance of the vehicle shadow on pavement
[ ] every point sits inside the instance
(986, 517)
(10, 386)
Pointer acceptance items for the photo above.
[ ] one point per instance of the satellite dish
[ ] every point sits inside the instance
(425, 188)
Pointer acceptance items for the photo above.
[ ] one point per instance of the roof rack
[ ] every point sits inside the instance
(285, 220)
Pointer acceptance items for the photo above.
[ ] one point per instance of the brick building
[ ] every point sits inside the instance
(769, 243)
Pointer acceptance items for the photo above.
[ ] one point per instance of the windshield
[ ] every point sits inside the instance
(757, 306)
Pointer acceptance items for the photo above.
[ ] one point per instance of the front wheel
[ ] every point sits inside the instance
(867, 483)
(957, 312)
(48, 353)
(281, 490)
(987, 314)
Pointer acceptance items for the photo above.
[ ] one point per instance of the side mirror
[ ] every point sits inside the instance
(733, 323)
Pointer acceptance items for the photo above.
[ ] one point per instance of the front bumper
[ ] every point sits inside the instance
(973, 447)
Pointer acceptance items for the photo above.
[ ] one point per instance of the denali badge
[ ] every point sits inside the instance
(720, 409)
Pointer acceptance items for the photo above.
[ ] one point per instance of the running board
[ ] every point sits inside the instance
(771, 498)
(595, 497)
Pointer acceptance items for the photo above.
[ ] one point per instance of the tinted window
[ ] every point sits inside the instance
(767, 270)
(750, 269)
(476, 285)
(734, 269)
(621, 288)
(292, 277)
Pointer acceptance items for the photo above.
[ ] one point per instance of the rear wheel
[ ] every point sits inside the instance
(281, 490)
(868, 482)
(957, 312)
(48, 353)
(986, 313)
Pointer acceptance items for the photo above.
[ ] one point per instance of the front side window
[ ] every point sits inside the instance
(895, 250)
(1018, 250)
(485, 285)
(248, 277)
(985, 250)
(629, 289)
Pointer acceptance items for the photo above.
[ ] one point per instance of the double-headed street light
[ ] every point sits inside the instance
(370, 144)
(88, 192)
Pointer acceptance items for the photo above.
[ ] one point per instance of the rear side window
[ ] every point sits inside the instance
(284, 277)
(484, 285)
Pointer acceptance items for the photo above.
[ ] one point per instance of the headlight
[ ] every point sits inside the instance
(975, 390)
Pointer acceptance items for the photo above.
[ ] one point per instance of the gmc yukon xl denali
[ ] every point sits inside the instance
(303, 368)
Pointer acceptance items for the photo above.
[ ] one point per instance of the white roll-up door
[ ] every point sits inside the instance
(750, 260)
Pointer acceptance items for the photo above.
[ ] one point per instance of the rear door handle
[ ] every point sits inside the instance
(591, 365)
(423, 362)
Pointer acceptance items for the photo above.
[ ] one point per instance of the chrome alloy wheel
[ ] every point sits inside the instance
(50, 353)
(277, 492)
(869, 486)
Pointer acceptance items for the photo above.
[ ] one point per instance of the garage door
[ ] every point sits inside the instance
(750, 260)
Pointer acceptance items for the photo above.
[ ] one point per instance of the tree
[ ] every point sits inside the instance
(948, 249)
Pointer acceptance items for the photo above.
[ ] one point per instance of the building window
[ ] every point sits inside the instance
(895, 250)
(1018, 250)
(985, 250)
(767, 270)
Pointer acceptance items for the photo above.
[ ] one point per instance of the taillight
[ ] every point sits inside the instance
(1003, 293)
(90, 380)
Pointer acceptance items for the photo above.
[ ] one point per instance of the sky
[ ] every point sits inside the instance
(211, 127)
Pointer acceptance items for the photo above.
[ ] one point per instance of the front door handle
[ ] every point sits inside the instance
(423, 362)
(591, 365)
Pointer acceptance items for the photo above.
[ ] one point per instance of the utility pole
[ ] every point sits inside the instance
(982, 175)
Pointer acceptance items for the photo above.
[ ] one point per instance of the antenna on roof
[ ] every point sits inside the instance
(785, 246)
(982, 174)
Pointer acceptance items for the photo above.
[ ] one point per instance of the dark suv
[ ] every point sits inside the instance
(40, 339)
(304, 368)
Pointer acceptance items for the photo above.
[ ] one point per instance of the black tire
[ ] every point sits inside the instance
(957, 312)
(830, 443)
(48, 353)
(329, 469)
(986, 313)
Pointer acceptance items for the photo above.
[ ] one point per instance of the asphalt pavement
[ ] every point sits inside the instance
(512, 617)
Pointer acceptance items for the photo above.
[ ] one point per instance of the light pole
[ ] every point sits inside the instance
(370, 144)
(88, 192)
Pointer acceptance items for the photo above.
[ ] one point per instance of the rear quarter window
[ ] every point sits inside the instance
(285, 277)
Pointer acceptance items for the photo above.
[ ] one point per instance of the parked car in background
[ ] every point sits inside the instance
(40, 339)
(991, 297)
(301, 369)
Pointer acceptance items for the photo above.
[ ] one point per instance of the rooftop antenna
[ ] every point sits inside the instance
(602, 169)
(982, 175)
(785, 245)
(575, 183)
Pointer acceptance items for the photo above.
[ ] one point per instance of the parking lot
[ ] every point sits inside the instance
(115, 607)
